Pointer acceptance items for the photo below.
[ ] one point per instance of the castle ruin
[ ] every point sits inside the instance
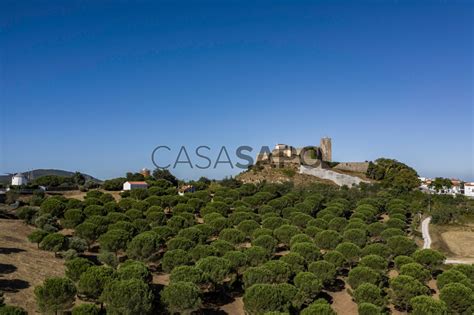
(284, 154)
(314, 156)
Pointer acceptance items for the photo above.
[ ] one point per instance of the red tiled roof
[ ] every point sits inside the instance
(138, 183)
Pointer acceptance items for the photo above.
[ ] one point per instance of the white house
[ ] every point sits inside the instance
(134, 185)
(469, 189)
(19, 179)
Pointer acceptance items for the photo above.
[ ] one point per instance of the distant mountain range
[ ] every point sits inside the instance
(5, 179)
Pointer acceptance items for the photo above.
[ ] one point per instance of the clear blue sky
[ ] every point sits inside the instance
(96, 85)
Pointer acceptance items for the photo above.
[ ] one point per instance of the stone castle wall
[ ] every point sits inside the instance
(357, 167)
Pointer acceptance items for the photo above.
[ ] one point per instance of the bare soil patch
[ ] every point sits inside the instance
(161, 278)
(236, 307)
(342, 302)
(22, 265)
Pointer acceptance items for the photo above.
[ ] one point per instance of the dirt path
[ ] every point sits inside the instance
(425, 224)
(22, 265)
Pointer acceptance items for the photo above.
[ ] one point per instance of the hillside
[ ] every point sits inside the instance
(261, 173)
(5, 179)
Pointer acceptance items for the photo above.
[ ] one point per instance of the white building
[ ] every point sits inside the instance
(134, 185)
(19, 179)
(469, 189)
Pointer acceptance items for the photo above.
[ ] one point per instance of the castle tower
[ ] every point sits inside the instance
(326, 149)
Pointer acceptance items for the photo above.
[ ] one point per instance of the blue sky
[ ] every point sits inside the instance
(95, 86)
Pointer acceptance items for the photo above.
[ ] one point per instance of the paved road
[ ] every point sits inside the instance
(425, 231)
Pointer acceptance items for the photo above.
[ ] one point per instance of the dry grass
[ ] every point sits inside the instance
(22, 265)
(456, 241)
(461, 243)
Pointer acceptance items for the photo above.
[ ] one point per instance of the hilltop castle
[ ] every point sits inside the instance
(320, 157)
(284, 154)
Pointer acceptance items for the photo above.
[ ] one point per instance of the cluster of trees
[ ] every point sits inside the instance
(56, 181)
(283, 246)
(393, 174)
